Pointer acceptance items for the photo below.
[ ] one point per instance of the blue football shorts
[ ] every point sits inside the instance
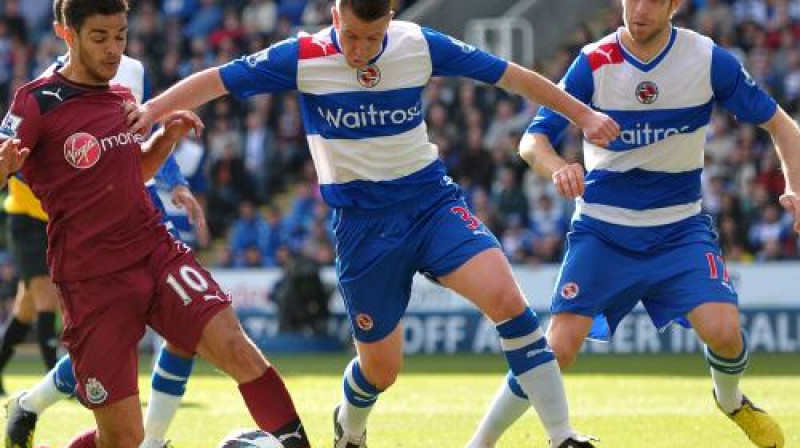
(602, 280)
(378, 254)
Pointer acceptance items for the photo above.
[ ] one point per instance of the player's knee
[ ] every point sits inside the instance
(128, 436)
(565, 353)
(509, 304)
(725, 340)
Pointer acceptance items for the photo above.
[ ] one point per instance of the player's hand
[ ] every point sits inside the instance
(131, 111)
(12, 156)
(178, 124)
(791, 202)
(183, 198)
(143, 120)
(600, 129)
(569, 180)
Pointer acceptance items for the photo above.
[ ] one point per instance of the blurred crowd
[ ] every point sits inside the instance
(258, 182)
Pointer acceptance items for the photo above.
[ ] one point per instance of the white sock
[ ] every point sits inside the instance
(726, 373)
(43, 395)
(726, 388)
(353, 419)
(161, 410)
(545, 389)
(506, 408)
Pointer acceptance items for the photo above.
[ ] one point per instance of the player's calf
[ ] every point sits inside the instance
(225, 345)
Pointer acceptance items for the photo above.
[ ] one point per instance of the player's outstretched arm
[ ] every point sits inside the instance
(540, 155)
(163, 141)
(188, 94)
(11, 158)
(786, 138)
(597, 127)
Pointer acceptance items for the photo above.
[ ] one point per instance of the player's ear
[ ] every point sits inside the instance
(70, 35)
(335, 16)
(59, 30)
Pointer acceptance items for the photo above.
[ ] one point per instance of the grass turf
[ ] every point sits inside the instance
(628, 401)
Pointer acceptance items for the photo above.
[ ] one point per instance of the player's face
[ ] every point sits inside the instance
(645, 20)
(360, 41)
(97, 48)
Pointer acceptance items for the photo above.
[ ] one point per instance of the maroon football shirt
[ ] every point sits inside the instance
(85, 167)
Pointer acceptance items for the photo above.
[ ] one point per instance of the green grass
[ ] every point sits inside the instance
(630, 402)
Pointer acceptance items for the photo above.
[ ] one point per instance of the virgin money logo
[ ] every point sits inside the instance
(82, 150)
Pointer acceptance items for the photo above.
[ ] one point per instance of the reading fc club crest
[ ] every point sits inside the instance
(364, 322)
(369, 76)
(570, 290)
(647, 92)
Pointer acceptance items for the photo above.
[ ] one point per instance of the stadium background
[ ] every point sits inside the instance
(253, 171)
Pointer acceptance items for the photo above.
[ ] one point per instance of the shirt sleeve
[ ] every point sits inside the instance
(271, 70)
(169, 175)
(578, 82)
(737, 91)
(451, 57)
(22, 120)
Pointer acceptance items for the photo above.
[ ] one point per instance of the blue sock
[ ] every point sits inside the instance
(535, 373)
(360, 395)
(358, 391)
(171, 373)
(64, 377)
(523, 343)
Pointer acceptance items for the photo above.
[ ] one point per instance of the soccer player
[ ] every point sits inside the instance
(116, 267)
(396, 210)
(638, 205)
(173, 366)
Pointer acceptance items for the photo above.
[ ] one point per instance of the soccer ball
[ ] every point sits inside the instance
(250, 438)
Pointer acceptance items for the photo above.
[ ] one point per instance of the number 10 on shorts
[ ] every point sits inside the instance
(190, 277)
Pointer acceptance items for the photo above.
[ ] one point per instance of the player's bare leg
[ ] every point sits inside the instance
(119, 425)
(225, 345)
(566, 334)
(717, 324)
(486, 280)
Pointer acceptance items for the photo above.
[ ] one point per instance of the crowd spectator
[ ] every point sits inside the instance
(256, 157)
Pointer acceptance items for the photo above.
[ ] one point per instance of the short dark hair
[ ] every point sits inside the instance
(75, 12)
(368, 10)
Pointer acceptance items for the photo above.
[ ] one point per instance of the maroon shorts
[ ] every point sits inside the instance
(105, 317)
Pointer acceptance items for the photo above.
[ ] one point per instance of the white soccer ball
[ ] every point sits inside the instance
(250, 438)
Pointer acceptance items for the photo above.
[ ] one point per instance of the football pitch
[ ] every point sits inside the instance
(628, 401)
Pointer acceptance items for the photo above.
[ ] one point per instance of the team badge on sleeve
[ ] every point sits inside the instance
(10, 125)
(369, 76)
